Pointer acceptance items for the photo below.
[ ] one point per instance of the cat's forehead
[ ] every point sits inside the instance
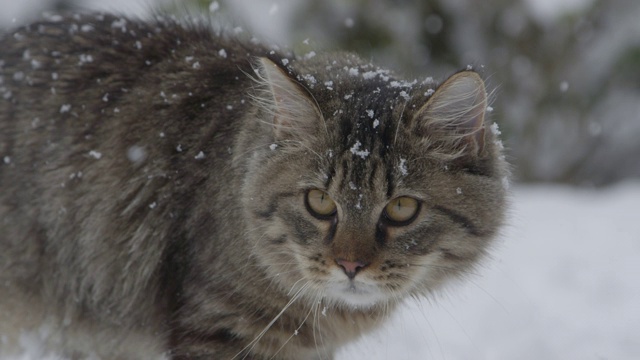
(366, 114)
(363, 107)
(359, 93)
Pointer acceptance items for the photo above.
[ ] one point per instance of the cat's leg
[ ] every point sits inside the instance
(29, 326)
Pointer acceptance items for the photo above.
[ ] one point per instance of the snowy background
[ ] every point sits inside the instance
(564, 284)
(564, 280)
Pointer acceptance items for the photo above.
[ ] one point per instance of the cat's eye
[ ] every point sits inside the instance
(401, 210)
(320, 204)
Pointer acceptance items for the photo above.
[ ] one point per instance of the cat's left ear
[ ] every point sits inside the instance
(295, 113)
(455, 113)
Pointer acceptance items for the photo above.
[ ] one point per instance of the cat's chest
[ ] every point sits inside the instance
(335, 327)
(324, 331)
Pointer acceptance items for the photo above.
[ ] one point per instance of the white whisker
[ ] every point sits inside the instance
(295, 333)
(253, 343)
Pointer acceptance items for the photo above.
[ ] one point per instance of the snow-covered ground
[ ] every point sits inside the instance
(564, 284)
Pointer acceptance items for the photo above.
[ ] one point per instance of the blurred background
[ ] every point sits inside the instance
(566, 73)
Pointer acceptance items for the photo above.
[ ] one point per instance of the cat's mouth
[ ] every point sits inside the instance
(354, 293)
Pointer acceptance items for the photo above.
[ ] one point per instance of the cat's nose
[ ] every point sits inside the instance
(351, 268)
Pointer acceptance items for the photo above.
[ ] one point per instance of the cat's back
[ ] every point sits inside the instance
(72, 85)
(106, 124)
(81, 65)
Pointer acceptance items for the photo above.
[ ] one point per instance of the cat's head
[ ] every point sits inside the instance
(362, 189)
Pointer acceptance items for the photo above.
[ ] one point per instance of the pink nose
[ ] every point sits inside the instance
(350, 268)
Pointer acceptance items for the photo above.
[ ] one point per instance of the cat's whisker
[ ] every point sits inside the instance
(427, 320)
(253, 343)
(316, 321)
(305, 146)
(446, 268)
(294, 285)
(451, 269)
(254, 148)
(295, 333)
(395, 137)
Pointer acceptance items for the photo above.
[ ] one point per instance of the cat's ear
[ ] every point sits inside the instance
(455, 113)
(294, 110)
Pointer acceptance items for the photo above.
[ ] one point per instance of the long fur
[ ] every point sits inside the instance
(153, 183)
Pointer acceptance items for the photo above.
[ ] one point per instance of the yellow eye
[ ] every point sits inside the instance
(320, 204)
(401, 210)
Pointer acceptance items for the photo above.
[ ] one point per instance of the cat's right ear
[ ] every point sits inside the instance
(294, 110)
(455, 114)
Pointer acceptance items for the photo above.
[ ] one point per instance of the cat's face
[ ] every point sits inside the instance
(373, 200)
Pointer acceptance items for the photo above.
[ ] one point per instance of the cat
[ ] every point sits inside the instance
(169, 191)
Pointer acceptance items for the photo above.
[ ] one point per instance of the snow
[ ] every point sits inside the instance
(274, 9)
(85, 58)
(310, 79)
(95, 154)
(86, 28)
(355, 150)
(136, 154)
(495, 130)
(214, 6)
(369, 113)
(563, 284)
(549, 10)
(349, 23)
(403, 167)
(369, 75)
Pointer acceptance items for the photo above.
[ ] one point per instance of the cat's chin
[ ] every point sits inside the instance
(354, 294)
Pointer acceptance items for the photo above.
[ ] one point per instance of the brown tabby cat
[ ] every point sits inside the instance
(166, 191)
